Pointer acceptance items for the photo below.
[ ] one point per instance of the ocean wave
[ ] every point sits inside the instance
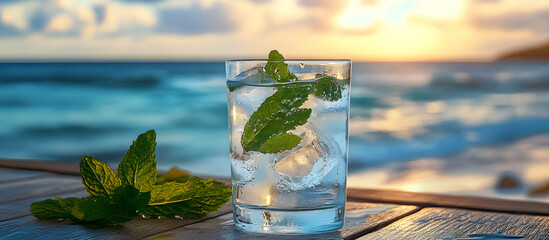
(96, 81)
(498, 81)
(456, 137)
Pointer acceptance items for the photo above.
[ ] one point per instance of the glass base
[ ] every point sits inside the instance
(284, 221)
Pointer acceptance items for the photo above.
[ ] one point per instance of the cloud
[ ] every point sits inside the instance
(99, 12)
(352, 17)
(7, 30)
(112, 19)
(535, 21)
(260, 1)
(361, 29)
(196, 20)
(26, 17)
(326, 4)
(486, 1)
(142, 1)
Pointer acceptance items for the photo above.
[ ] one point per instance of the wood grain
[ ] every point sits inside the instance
(29, 227)
(359, 216)
(15, 209)
(10, 175)
(446, 223)
(36, 187)
(438, 200)
(36, 165)
(62, 168)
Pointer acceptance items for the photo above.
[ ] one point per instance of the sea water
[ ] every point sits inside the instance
(297, 190)
(409, 121)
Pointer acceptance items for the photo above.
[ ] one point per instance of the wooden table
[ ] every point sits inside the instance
(371, 214)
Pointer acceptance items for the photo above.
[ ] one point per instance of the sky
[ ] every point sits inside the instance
(362, 30)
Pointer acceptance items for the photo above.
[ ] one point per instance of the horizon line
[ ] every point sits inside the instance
(198, 59)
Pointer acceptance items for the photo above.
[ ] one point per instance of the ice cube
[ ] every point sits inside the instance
(238, 115)
(250, 97)
(306, 166)
(254, 75)
(307, 134)
(243, 167)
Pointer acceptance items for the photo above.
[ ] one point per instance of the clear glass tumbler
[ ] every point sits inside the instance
(288, 143)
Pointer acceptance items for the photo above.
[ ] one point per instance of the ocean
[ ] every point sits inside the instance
(451, 127)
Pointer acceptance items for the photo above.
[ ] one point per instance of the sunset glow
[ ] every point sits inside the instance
(214, 30)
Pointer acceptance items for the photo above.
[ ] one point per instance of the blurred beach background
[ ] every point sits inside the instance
(447, 96)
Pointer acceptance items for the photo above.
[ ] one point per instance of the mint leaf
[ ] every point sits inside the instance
(192, 199)
(174, 175)
(267, 129)
(138, 167)
(90, 209)
(278, 114)
(98, 177)
(279, 143)
(328, 89)
(53, 209)
(277, 69)
(98, 211)
(114, 201)
(121, 207)
(128, 199)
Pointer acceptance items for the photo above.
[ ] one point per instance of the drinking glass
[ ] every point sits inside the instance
(288, 144)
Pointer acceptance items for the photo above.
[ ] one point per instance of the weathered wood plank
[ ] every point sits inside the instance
(54, 167)
(36, 187)
(30, 228)
(9, 175)
(359, 216)
(365, 195)
(447, 223)
(71, 169)
(437, 200)
(363, 218)
(21, 208)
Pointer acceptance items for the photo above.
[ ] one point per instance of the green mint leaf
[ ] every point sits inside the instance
(174, 175)
(138, 167)
(233, 85)
(114, 201)
(267, 129)
(328, 89)
(277, 69)
(91, 209)
(278, 114)
(279, 143)
(98, 211)
(195, 198)
(98, 177)
(53, 209)
(128, 199)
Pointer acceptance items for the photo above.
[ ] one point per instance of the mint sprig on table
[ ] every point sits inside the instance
(267, 130)
(135, 188)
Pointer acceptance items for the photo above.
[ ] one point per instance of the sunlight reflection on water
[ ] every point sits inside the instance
(435, 127)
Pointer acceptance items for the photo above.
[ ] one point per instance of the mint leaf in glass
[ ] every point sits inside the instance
(267, 129)
(279, 143)
(277, 115)
(327, 89)
(98, 177)
(277, 69)
(138, 167)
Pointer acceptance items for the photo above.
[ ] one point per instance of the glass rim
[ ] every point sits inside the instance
(297, 60)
